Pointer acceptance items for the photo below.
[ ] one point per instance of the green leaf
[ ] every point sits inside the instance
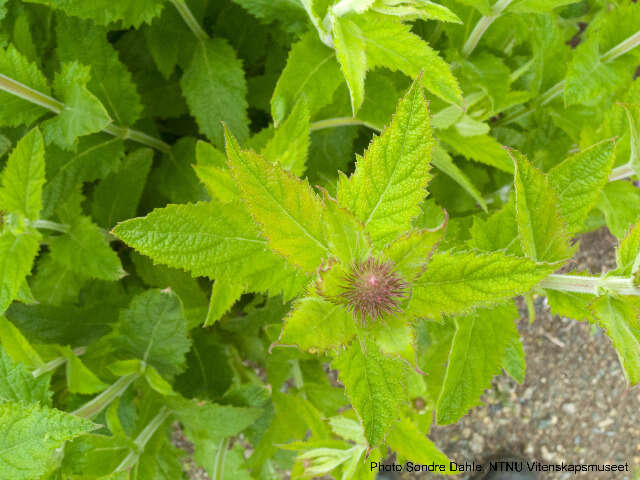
(389, 43)
(570, 304)
(620, 203)
(17, 346)
(455, 283)
(578, 181)
(104, 12)
(442, 161)
(117, 196)
(376, 386)
(110, 80)
(317, 325)
(497, 232)
(30, 434)
(345, 234)
(412, 251)
(514, 363)
(633, 117)
(290, 143)
(17, 253)
(408, 442)
(620, 320)
(477, 352)
(23, 177)
(18, 385)
(213, 172)
(350, 50)
(628, 254)
(80, 379)
(83, 113)
(538, 6)
(85, 250)
(154, 330)
(542, 230)
(223, 296)
(481, 148)
(288, 211)
(215, 89)
(389, 183)
(312, 72)
(16, 111)
(56, 284)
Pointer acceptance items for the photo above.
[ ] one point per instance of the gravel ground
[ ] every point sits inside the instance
(573, 406)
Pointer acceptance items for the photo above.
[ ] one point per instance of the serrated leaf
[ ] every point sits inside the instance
(389, 43)
(514, 363)
(390, 181)
(110, 80)
(30, 434)
(455, 283)
(18, 385)
(215, 89)
(56, 284)
(542, 230)
(17, 253)
(578, 181)
(213, 172)
(83, 113)
(84, 249)
(290, 15)
(94, 157)
(350, 51)
(481, 148)
(375, 385)
(23, 177)
(223, 296)
(104, 12)
(620, 203)
(628, 254)
(620, 320)
(477, 352)
(117, 196)
(570, 304)
(407, 441)
(14, 110)
(80, 379)
(316, 324)
(411, 252)
(633, 117)
(312, 72)
(538, 6)
(345, 234)
(153, 329)
(17, 346)
(288, 211)
(290, 142)
(497, 232)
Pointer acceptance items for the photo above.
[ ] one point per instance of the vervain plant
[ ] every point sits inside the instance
(297, 228)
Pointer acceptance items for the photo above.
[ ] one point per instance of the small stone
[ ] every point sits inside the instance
(466, 433)
(605, 423)
(477, 443)
(547, 456)
(569, 408)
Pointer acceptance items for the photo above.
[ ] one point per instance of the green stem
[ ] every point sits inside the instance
(481, 27)
(623, 171)
(49, 225)
(591, 285)
(342, 122)
(18, 89)
(623, 47)
(56, 362)
(221, 454)
(298, 381)
(190, 20)
(100, 402)
(141, 440)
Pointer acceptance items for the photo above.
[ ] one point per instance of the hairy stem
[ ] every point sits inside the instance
(483, 24)
(49, 225)
(18, 89)
(100, 402)
(591, 285)
(141, 440)
(56, 362)
(221, 454)
(623, 171)
(190, 20)
(342, 122)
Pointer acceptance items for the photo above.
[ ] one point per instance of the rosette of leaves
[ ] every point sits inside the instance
(369, 283)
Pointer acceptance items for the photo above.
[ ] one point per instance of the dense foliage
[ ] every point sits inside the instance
(297, 228)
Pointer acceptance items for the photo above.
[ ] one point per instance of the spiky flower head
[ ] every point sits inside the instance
(373, 288)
